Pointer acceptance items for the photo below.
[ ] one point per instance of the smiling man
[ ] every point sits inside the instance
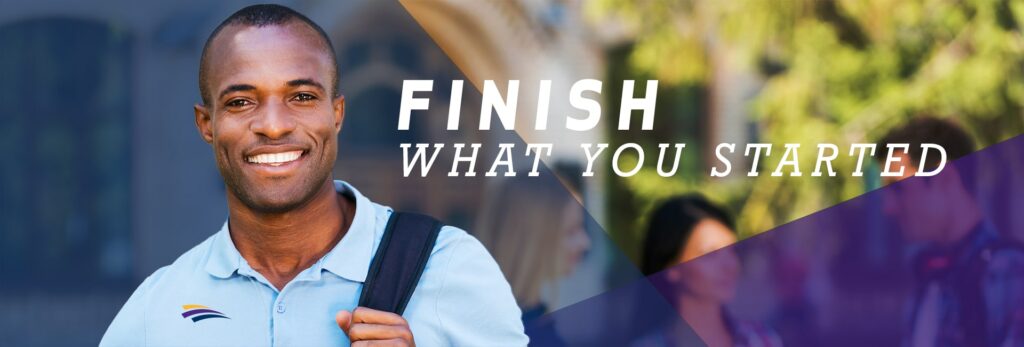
(292, 263)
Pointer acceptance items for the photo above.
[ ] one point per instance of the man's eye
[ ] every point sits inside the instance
(303, 97)
(238, 103)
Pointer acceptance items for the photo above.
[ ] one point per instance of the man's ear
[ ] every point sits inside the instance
(339, 112)
(204, 123)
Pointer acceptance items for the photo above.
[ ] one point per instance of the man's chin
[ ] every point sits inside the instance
(276, 198)
(271, 206)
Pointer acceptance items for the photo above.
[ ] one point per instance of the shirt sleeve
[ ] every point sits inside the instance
(476, 306)
(129, 326)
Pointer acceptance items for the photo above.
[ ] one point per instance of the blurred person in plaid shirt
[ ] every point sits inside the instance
(970, 278)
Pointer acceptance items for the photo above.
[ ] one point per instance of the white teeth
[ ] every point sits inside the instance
(274, 158)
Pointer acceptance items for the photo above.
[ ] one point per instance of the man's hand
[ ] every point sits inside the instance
(369, 327)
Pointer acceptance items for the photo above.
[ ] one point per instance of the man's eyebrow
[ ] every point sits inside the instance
(305, 82)
(236, 88)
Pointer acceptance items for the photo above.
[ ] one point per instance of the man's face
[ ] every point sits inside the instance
(272, 121)
(920, 206)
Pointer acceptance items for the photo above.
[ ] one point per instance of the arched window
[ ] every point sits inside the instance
(371, 109)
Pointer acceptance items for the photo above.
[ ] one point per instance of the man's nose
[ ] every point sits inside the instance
(274, 122)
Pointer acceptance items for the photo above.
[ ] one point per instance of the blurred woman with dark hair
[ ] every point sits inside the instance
(681, 230)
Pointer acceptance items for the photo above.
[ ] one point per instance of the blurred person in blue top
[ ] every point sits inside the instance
(970, 278)
(686, 254)
(288, 265)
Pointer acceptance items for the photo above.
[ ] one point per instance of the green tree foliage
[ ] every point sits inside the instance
(833, 71)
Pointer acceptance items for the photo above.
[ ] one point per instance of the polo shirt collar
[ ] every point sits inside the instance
(349, 259)
(224, 259)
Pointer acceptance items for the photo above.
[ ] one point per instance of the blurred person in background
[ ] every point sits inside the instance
(682, 230)
(970, 278)
(535, 230)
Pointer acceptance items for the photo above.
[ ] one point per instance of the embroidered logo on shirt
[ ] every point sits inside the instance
(199, 312)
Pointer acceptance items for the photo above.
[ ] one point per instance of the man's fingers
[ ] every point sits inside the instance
(344, 320)
(369, 315)
(376, 343)
(365, 331)
(369, 327)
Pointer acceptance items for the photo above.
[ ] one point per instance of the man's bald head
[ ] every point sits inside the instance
(261, 16)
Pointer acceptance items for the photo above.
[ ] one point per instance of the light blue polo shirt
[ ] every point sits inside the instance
(210, 296)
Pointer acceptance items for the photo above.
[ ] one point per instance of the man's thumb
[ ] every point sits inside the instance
(344, 319)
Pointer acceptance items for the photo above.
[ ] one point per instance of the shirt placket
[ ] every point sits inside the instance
(277, 303)
(279, 322)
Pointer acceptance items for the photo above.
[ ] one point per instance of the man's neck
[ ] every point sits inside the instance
(962, 224)
(281, 245)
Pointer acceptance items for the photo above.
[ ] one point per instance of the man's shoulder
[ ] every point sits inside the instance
(1003, 256)
(993, 247)
(451, 236)
(454, 242)
(455, 248)
(448, 238)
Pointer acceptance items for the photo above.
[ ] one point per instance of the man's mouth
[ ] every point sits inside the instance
(274, 159)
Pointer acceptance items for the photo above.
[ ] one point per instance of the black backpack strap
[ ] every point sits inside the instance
(396, 268)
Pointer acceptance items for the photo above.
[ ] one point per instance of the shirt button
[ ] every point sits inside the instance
(280, 308)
